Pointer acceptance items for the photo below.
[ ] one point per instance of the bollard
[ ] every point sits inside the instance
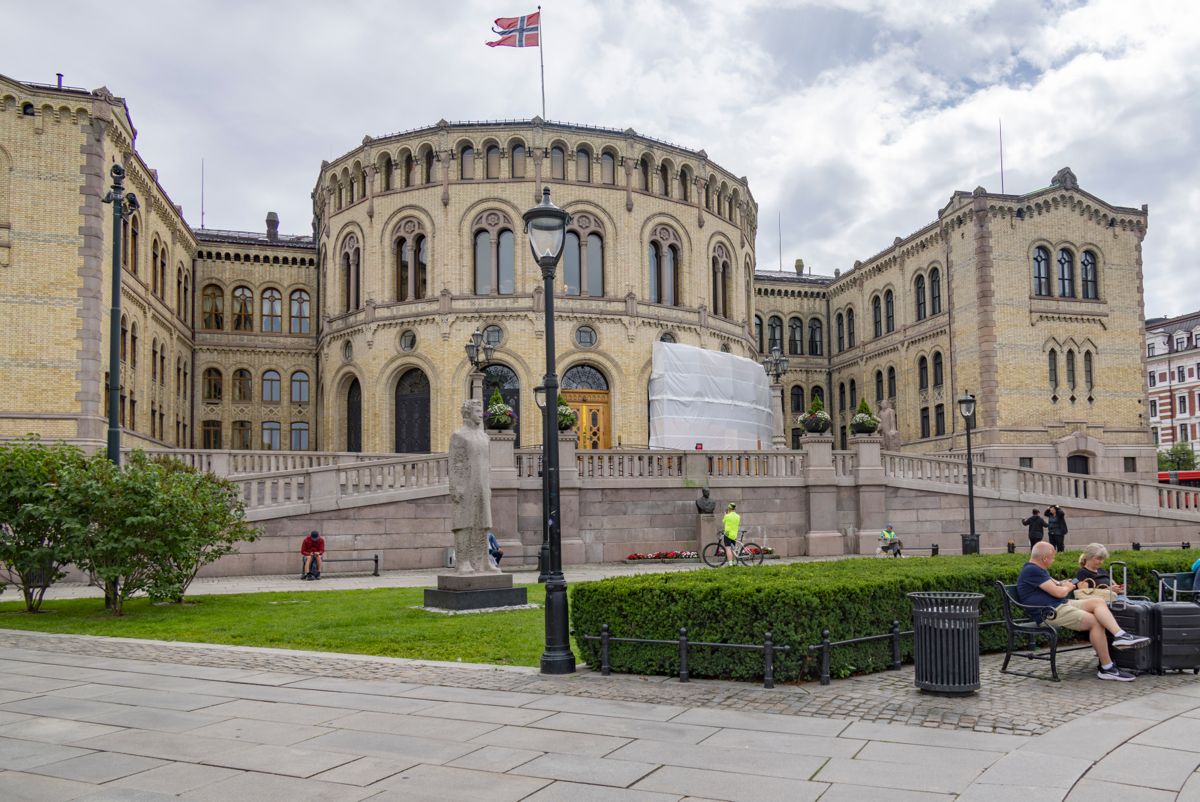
(895, 645)
(683, 650)
(825, 648)
(768, 662)
(1137, 546)
(933, 550)
(1012, 547)
(605, 668)
(1185, 545)
(376, 573)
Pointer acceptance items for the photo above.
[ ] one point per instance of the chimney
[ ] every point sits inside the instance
(59, 74)
(799, 267)
(272, 226)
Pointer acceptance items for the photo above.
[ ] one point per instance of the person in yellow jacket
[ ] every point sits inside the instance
(730, 525)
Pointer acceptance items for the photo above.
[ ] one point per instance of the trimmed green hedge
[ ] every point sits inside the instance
(851, 598)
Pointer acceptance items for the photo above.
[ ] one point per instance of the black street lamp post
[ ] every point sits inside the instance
(776, 365)
(122, 204)
(546, 226)
(479, 354)
(966, 407)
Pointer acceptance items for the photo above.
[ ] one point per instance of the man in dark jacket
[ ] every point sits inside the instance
(1037, 526)
(1056, 527)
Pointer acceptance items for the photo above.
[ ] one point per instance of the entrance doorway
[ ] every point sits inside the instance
(585, 390)
(1079, 464)
(412, 413)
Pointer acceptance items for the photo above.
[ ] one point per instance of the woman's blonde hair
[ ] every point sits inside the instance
(1093, 550)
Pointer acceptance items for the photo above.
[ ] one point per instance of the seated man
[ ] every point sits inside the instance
(1036, 587)
(313, 550)
(494, 550)
(889, 543)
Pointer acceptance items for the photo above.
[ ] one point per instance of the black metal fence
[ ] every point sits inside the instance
(1186, 544)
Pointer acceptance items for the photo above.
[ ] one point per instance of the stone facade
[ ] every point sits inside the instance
(1173, 379)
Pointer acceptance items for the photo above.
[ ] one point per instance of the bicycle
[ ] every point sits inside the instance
(745, 552)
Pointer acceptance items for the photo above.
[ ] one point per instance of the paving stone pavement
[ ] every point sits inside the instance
(86, 718)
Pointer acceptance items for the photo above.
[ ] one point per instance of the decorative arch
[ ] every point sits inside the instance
(494, 253)
(410, 260)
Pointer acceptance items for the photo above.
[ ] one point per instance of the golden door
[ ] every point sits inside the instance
(592, 407)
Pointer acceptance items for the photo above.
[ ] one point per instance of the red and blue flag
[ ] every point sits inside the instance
(522, 31)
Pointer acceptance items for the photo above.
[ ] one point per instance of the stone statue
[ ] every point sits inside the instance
(704, 504)
(471, 491)
(887, 426)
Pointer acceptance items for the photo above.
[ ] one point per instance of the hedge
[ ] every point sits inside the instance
(851, 598)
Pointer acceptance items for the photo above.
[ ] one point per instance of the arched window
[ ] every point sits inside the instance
(583, 164)
(708, 194)
(466, 163)
(774, 333)
(758, 333)
(923, 373)
(1066, 274)
(495, 272)
(179, 291)
(270, 435)
(1089, 375)
(272, 310)
(877, 316)
(853, 394)
(270, 387)
(935, 291)
(795, 336)
(162, 271)
(210, 431)
(427, 167)
(841, 332)
(301, 312)
(685, 185)
(299, 436)
(212, 308)
(243, 388)
(664, 266)
(937, 369)
(124, 338)
(134, 236)
(492, 161)
(558, 163)
(385, 170)
(154, 361)
(243, 309)
(583, 257)
(1087, 275)
(185, 305)
(815, 346)
(889, 311)
(213, 386)
(154, 266)
(643, 174)
(410, 171)
(412, 263)
(891, 383)
(722, 278)
(516, 156)
(133, 345)
(878, 387)
(919, 291)
(1070, 368)
(1053, 369)
(299, 388)
(240, 431)
(664, 180)
(351, 274)
(797, 398)
(842, 396)
(608, 169)
(818, 394)
(1041, 271)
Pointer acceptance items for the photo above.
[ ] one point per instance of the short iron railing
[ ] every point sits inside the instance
(825, 647)
(768, 647)
(1186, 544)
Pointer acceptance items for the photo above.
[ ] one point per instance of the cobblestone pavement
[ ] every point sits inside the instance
(1005, 704)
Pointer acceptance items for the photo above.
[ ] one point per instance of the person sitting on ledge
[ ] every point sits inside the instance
(889, 543)
(1035, 586)
(313, 551)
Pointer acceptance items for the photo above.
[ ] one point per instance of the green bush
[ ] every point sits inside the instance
(795, 603)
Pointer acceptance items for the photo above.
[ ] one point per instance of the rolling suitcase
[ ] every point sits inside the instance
(1138, 616)
(1177, 636)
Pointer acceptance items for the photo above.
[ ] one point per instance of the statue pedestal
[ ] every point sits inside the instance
(707, 528)
(474, 592)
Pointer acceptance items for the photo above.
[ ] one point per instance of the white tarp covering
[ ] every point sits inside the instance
(698, 396)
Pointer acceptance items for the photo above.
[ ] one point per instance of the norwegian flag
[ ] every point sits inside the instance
(518, 31)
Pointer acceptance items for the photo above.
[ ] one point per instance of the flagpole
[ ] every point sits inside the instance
(541, 58)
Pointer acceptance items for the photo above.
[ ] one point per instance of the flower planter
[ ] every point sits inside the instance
(817, 426)
(499, 424)
(863, 428)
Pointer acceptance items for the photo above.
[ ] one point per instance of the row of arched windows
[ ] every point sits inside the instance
(212, 310)
(923, 371)
(242, 387)
(795, 338)
(934, 297)
(242, 435)
(131, 261)
(1064, 270)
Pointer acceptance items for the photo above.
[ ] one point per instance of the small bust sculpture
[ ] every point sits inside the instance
(704, 504)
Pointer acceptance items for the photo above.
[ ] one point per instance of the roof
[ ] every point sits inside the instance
(792, 277)
(257, 238)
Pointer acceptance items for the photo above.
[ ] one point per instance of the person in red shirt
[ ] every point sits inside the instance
(313, 550)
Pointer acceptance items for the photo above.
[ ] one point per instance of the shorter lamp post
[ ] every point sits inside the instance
(775, 365)
(479, 354)
(546, 225)
(966, 407)
(123, 205)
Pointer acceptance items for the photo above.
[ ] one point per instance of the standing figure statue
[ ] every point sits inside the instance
(471, 491)
(887, 426)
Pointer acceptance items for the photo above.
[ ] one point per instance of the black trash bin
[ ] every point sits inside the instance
(946, 641)
(970, 544)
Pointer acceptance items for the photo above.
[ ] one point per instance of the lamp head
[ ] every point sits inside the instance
(131, 203)
(488, 351)
(539, 396)
(546, 225)
(472, 352)
(966, 406)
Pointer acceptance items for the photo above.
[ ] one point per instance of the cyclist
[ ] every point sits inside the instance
(730, 524)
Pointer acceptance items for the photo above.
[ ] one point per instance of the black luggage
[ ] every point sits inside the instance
(1138, 616)
(1177, 636)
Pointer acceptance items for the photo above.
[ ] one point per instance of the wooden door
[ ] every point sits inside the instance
(593, 426)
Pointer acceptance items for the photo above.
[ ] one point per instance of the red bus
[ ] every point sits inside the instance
(1185, 478)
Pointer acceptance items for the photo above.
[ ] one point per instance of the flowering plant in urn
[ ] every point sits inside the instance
(567, 417)
(816, 420)
(499, 414)
(863, 421)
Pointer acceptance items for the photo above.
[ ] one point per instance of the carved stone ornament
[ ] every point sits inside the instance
(666, 234)
(492, 219)
(1065, 178)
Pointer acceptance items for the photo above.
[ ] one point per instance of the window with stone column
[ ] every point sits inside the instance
(351, 273)
(410, 252)
(583, 256)
(495, 272)
(243, 309)
(664, 267)
(722, 279)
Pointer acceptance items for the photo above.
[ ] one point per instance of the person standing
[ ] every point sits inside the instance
(1056, 527)
(313, 552)
(730, 526)
(1037, 527)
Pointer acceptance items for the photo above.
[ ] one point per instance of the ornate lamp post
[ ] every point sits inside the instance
(775, 365)
(475, 349)
(966, 407)
(546, 226)
(123, 206)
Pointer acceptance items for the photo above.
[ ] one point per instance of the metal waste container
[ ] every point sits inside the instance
(946, 641)
(970, 544)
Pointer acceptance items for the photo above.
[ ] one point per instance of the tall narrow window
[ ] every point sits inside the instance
(774, 333)
(134, 237)
(878, 387)
(212, 308)
(427, 168)
(154, 362)
(494, 269)
(924, 421)
(243, 309)
(270, 387)
(685, 185)
(850, 340)
(299, 432)
(213, 386)
(270, 435)
(411, 177)
(210, 433)
(1041, 272)
(272, 310)
(663, 266)
(889, 310)
(1087, 275)
(133, 346)
(891, 381)
(124, 338)
(758, 333)
(795, 336)
(1066, 274)
(243, 389)
(299, 389)
(1089, 376)
(664, 180)
(403, 268)
(842, 396)
(421, 255)
(919, 290)
(935, 291)
(939, 420)
(154, 267)
(937, 369)
(923, 373)
(877, 316)
(583, 165)
(797, 394)
(492, 161)
(240, 441)
(558, 163)
(841, 332)
(608, 169)
(595, 265)
(1052, 368)
(643, 174)
(505, 267)
(466, 163)
(300, 319)
(853, 394)
(572, 260)
(517, 157)
(1071, 368)
(815, 345)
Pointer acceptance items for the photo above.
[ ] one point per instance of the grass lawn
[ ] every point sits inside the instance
(377, 622)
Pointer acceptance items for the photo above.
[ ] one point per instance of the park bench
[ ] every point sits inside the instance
(374, 559)
(1019, 622)
(1178, 584)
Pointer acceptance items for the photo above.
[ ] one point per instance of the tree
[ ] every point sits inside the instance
(33, 531)
(1179, 457)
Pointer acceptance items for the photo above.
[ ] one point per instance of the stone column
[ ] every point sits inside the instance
(872, 490)
(824, 537)
(573, 547)
(778, 438)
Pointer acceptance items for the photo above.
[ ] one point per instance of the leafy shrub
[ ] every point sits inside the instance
(850, 598)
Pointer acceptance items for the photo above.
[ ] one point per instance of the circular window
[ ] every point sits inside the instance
(667, 337)
(408, 340)
(493, 336)
(347, 351)
(585, 336)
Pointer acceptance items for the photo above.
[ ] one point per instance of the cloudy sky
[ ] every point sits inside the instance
(853, 119)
